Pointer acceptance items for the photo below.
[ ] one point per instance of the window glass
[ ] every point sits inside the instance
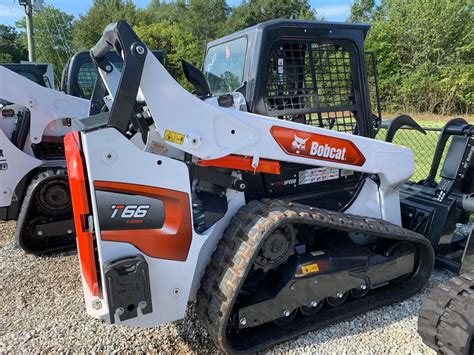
(224, 65)
(30, 76)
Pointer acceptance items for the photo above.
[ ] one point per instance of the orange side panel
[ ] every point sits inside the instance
(173, 239)
(80, 204)
(243, 163)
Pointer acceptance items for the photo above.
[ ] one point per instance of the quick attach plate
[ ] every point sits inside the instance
(128, 287)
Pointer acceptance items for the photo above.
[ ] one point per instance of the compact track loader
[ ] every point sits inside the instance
(273, 225)
(33, 178)
(33, 183)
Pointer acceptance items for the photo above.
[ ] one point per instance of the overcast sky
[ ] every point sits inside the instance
(11, 11)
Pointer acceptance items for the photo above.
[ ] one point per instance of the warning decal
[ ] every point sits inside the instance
(174, 137)
(317, 174)
(308, 269)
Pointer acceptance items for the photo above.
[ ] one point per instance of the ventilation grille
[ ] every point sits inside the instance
(312, 83)
(48, 150)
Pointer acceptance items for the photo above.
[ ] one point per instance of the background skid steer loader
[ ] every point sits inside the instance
(34, 120)
(191, 216)
(33, 182)
(442, 210)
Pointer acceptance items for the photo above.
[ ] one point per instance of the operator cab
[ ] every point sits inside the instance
(304, 71)
(309, 72)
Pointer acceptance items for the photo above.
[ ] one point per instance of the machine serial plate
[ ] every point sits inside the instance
(310, 176)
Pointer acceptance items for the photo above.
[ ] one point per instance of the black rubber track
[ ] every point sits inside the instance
(30, 210)
(241, 242)
(446, 320)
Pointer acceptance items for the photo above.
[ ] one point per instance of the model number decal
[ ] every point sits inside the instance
(129, 211)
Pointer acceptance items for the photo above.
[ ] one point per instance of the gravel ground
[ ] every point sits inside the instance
(42, 311)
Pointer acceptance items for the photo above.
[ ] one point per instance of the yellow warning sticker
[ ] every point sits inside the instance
(307, 269)
(174, 137)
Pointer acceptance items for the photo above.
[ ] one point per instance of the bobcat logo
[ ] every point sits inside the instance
(299, 144)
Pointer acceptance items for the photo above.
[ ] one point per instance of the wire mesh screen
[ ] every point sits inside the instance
(423, 147)
(311, 83)
(86, 78)
(87, 75)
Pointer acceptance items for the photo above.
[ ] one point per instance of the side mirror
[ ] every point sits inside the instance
(197, 79)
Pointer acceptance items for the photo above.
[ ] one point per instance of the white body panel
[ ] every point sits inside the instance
(165, 275)
(47, 108)
(14, 164)
(44, 104)
(175, 109)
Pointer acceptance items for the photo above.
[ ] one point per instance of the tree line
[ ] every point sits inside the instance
(424, 48)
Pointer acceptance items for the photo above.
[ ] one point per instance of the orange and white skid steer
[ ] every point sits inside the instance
(173, 222)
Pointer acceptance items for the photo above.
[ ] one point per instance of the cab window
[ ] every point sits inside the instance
(224, 65)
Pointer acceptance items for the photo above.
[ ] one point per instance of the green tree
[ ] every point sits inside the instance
(12, 49)
(176, 42)
(89, 27)
(251, 12)
(425, 51)
(157, 11)
(205, 19)
(53, 37)
(361, 10)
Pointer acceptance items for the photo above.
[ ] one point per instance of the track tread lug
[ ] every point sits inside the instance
(440, 314)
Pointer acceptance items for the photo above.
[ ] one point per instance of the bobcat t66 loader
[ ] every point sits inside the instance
(274, 225)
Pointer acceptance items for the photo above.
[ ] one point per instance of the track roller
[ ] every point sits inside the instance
(312, 309)
(340, 298)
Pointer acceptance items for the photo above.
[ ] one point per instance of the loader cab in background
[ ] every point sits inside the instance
(79, 73)
(39, 73)
(309, 72)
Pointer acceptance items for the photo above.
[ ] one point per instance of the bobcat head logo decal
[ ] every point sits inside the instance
(299, 144)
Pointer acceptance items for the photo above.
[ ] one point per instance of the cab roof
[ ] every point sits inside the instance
(304, 25)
